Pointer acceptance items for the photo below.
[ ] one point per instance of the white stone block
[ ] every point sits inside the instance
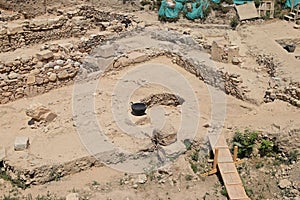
(21, 143)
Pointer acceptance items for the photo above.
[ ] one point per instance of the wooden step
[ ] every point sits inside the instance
(288, 17)
(292, 13)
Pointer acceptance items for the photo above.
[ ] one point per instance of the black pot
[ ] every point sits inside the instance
(138, 109)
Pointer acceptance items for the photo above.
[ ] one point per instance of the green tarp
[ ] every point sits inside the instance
(171, 13)
(240, 2)
(166, 10)
(197, 9)
(289, 3)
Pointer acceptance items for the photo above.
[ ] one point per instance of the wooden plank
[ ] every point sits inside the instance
(224, 156)
(227, 167)
(236, 192)
(247, 11)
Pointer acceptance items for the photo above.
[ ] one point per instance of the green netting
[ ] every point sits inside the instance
(166, 11)
(197, 9)
(239, 2)
(289, 3)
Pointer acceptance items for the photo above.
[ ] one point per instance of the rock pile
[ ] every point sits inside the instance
(269, 62)
(289, 93)
(166, 99)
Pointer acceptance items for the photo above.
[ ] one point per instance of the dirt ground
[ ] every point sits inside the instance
(59, 141)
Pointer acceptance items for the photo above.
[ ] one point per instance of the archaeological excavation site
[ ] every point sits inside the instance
(149, 99)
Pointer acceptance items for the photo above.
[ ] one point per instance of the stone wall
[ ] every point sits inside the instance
(57, 64)
(31, 8)
(229, 83)
(47, 173)
(69, 24)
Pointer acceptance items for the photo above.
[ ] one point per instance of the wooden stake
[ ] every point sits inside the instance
(216, 159)
(235, 153)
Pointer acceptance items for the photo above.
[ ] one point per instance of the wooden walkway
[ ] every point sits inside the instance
(227, 168)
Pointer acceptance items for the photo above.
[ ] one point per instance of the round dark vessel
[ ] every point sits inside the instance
(138, 109)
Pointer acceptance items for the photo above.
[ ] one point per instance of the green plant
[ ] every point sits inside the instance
(188, 144)
(224, 192)
(234, 22)
(259, 165)
(188, 177)
(54, 175)
(257, 3)
(195, 156)
(9, 198)
(94, 183)
(292, 156)
(266, 147)
(245, 141)
(194, 167)
(15, 182)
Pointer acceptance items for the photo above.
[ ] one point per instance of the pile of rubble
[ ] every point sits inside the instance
(289, 93)
(269, 62)
(166, 99)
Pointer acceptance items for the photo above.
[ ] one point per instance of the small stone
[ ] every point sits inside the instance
(135, 186)
(56, 67)
(50, 116)
(35, 72)
(142, 178)
(284, 183)
(21, 143)
(52, 77)
(30, 79)
(1, 181)
(72, 196)
(76, 64)
(236, 61)
(60, 62)
(13, 75)
(39, 81)
(44, 55)
(7, 94)
(63, 74)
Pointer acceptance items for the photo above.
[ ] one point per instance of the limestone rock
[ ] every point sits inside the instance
(142, 178)
(21, 143)
(52, 77)
(40, 113)
(137, 57)
(284, 183)
(13, 75)
(63, 74)
(164, 137)
(44, 55)
(236, 61)
(30, 79)
(72, 196)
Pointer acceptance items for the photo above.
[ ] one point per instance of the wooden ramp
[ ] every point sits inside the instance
(227, 168)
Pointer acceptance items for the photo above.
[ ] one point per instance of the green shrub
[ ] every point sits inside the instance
(245, 141)
(266, 148)
(194, 167)
(195, 156)
(292, 156)
(234, 22)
